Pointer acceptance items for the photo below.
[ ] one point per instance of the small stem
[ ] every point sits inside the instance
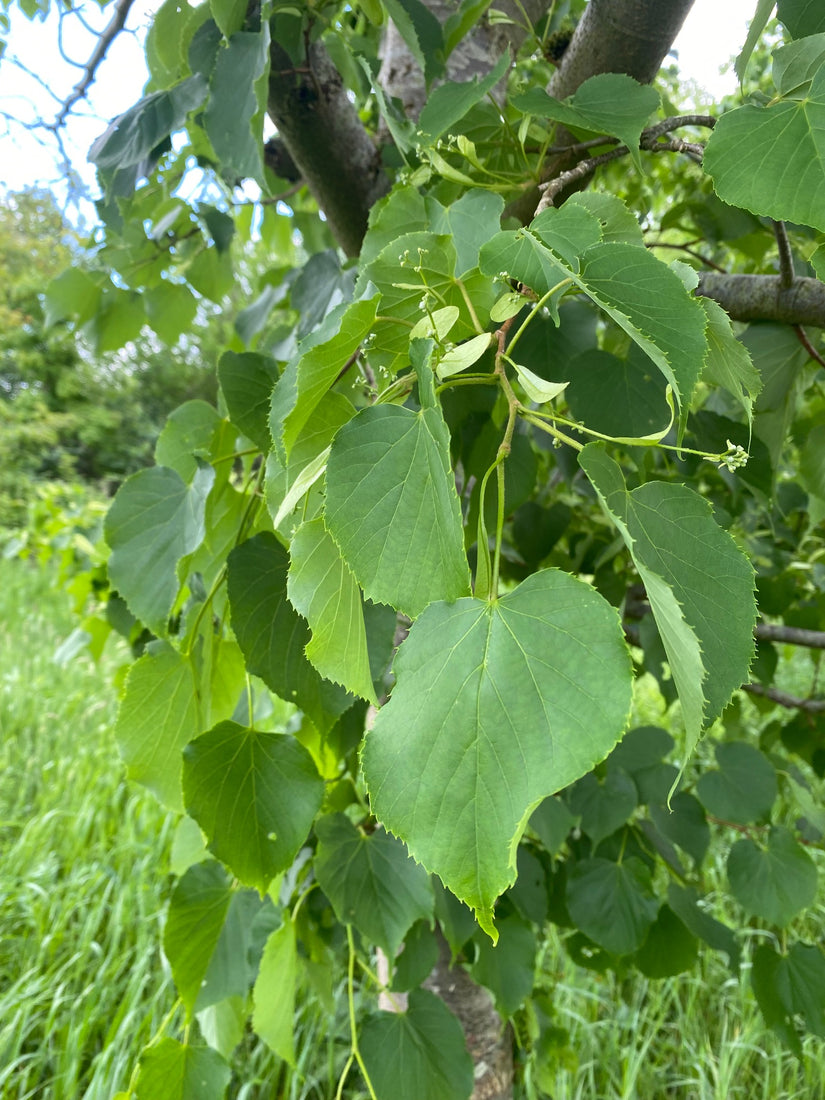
(545, 298)
(499, 529)
(353, 1030)
(805, 341)
(470, 307)
(550, 429)
(468, 380)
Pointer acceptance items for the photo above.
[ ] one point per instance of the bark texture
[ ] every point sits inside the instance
(327, 142)
(766, 298)
(489, 1042)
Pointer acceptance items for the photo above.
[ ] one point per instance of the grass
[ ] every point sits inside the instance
(83, 885)
(82, 862)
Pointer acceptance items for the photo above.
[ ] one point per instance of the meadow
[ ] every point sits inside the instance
(84, 877)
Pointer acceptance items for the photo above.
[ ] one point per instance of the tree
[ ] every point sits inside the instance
(479, 423)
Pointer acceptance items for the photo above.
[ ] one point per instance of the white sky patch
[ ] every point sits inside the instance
(713, 34)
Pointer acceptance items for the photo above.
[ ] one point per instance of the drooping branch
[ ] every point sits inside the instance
(765, 298)
(326, 140)
(107, 37)
(792, 635)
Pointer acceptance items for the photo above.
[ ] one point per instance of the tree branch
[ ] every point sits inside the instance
(107, 37)
(764, 298)
(812, 706)
(326, 141)
(793, 635)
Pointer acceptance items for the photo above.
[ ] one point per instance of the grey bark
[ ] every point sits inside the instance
(327, 141)
(766, 298)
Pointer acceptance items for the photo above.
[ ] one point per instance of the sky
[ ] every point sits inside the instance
(713, 33)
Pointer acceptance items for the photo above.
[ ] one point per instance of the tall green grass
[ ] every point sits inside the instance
(82, 867)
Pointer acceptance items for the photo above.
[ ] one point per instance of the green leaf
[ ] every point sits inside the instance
(154, 521)
(233, 104)
(744, 788)
(612, 903)
(728, 363)
(462, 21)
(791, 146)
(537, 389)
(812, 461)
(170, 309)
(246, 383)
(780, 360)
(73, 295)
(307, 380)
(619, 224)
(568, 230)
(210, 273)
(683, 900)
(764, 10)
(186, 436)
(610, 103)
(171, 1071)
(229, 15)
(507, 968)
(449, 103)
(669, 948)
(321, 587)
(469, 221)
(118, 318)
(801, 17)
(371, 881)
(164, 43)
(158, 716)
(700, 585)
(272, 635)
(417, 959)
(464, 355)
(421, 32)
(255, 795)
(419, 1054)
(640, 293)
(273, 1017)
(551, 821)
(137, 132)
(197, 912)
(684, 823)
(796, 63)
(776, 882)
(496, 706)
(393, 509)
(790, 986)
(602, 807)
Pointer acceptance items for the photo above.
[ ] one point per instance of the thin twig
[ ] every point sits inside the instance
(583, 168)
(786, 271)
(805, 341)
(689, 251)
(784, 699)
(675, 122)
(107, 37)
(793, 635)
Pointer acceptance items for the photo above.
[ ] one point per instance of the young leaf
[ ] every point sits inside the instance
(789, 986)
(158, 716)
(497, 704)
(171, 1071)
(153, 522)
(538, 389)
(449, 103)
(273, 1017)
(321, 587)
(728, 363)
(393, 510)
(255, 795)
(371, 881)
(700, 585)
(463, 356)
(421, 32)
(427, 1041)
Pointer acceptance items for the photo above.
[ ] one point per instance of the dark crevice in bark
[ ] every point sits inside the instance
(326, 141)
